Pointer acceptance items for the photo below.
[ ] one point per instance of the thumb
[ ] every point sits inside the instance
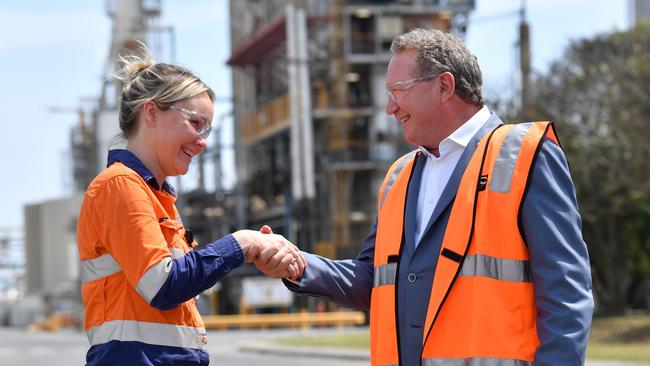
(266, 229)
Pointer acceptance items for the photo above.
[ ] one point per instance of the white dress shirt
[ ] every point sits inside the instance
(437, 170)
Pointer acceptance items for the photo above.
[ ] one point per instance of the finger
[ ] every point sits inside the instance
(300, 259)
(294, 272)
(284, 266)
(280, 261)
(301, 264)
(266, 229)
(253, 253)
(268, 252)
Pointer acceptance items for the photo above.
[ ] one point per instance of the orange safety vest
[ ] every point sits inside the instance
(127, 235)
(481, 309)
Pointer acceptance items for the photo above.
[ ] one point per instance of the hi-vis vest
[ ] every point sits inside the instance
(481, 309)
(122, 270)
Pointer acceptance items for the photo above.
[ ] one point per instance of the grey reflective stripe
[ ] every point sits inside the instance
(176, 252)
(474, 361)
(497, 268)
(504, 167)
(150, 333)
(385, 274)
(393, 176)
(94, 269)
(152, 280)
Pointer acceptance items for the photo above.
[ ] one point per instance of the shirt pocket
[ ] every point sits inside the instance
(174, 234)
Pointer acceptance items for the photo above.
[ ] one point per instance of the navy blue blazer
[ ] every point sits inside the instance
(552, 229)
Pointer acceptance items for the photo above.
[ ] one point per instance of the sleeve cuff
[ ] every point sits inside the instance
(230, 252)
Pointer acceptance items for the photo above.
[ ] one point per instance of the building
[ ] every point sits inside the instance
(312, 140)
(639, 11)
(52, 262)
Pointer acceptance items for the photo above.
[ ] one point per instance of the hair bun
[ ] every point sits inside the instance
(131, 65)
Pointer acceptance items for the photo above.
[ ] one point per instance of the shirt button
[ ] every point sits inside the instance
(412, 277)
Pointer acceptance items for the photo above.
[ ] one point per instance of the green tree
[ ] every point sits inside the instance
(599, 95)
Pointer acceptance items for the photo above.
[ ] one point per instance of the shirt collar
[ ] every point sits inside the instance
(462, 136)
(467, 130)
(132, 162)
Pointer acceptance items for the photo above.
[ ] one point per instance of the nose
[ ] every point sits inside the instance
(202, 143)
(391, 107)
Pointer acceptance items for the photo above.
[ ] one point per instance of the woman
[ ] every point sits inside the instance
(139, 275)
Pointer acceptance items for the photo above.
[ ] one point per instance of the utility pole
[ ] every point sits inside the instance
(524, 62)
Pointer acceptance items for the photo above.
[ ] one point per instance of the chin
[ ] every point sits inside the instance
(411, 141)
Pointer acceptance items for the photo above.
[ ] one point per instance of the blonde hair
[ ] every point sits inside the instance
(145, 80)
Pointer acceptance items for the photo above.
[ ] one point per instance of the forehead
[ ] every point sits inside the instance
(401, 67)
(201, 104)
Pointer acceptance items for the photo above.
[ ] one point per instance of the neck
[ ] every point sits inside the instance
(461, 112)
(138, 148)
(451, 118)
(433, 150)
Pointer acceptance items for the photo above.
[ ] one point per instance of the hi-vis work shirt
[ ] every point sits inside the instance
(139, 275)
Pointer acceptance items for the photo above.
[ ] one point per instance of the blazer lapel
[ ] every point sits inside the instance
(449, 193)
(411, 206)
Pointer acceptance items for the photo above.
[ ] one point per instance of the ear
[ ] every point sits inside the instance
(447, 86)
(149, 113)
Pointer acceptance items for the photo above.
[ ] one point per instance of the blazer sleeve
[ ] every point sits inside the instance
(559, 260)
(346, 282)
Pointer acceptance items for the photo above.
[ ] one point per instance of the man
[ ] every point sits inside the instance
(476, 257)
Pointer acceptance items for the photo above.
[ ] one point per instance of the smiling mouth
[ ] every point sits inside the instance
(187, 153)
(404, 119)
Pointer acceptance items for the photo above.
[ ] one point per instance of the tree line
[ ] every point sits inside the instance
(598, 94)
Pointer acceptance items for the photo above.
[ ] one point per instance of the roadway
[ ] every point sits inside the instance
(233, 348)
(67, 347)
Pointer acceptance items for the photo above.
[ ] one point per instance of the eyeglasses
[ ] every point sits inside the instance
(200, 124)
(400, 88)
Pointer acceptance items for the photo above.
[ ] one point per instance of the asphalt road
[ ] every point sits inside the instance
(66, 348)
(233, 348)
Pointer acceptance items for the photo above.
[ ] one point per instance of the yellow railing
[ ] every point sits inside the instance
(303, 320)
(271, 117)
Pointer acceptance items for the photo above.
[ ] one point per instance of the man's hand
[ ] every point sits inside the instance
(274, 255)
(286, 262)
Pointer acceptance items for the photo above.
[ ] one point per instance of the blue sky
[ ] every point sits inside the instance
(52, 53)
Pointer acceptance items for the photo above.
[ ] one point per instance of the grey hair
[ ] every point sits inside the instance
(145, 80)
(438, 52)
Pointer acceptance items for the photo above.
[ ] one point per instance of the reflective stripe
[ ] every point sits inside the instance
(497, 268)
(94, 269)
(393, 176)
(385, 274)
(474, 361)
(150, 333)
(152, 280)
(176, 252)
(504, 166)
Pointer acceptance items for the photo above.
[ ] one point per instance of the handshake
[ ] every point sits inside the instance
(273, 254)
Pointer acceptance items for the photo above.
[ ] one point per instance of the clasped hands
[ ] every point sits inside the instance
(273, 254)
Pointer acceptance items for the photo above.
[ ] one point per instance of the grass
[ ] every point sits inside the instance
(624, 338)
(357, 340)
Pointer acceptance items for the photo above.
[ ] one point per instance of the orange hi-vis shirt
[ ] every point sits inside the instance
(139, 274)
